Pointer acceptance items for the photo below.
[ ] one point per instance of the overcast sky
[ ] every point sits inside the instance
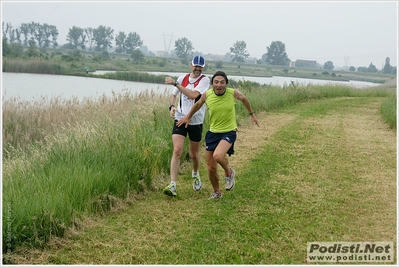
(362, 32)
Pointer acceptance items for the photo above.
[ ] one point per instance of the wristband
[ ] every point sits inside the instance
(176, 83)
(170, 107)
(250, 114)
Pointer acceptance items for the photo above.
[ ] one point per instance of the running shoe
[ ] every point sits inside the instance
(170, 190)
(197, 184)
(230, 182)
(215, 195)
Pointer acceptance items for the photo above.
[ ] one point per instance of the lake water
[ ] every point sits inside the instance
(30, 87)
(281, 81)
(27, 87)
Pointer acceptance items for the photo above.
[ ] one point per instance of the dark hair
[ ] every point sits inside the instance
(220, 73)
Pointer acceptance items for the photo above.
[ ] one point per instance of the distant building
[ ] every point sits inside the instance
(301, 63)
(214, 57)
(161, 54)
(251, 60)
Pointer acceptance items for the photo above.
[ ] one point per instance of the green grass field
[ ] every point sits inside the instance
(322, 167)
(325, 172)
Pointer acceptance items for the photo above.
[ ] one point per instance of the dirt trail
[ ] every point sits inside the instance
(251, 138)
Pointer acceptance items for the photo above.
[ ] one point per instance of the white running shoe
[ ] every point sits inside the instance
(170, 190)
(230, 182)
(215, 195)
(197, 184)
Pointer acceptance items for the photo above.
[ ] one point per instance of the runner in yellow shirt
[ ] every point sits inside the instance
(221, 135)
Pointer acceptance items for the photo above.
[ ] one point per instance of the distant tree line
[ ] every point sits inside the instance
(388, 69)
(42, 34)
(102, 38)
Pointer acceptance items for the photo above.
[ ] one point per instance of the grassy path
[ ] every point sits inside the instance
(323, 170)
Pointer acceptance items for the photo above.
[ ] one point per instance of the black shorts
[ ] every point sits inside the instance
(194, 131)
(212, 140)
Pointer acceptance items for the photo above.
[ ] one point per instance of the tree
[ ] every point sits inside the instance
(42, 34)
(46, 32)
(352, 68)
(183, 48)
(127, 43)
(132, 42)
(372, 68)
(76, 38)
(264, 58)
(137, 56)
(219, 64)
(8, 32)
(16, 49)
(18, 35)
(32, 50)
(6, 48)
(90, 39)
(25, 31)
(328, 65)
(54, 35)
(103, 37)
(6, 29)
(276, 54)
(239, 51)
(38, 33)
(105, 54)
(387, 67)
(120, 42)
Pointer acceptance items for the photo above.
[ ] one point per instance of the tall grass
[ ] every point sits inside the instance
(388, 111)
(25, 123)
(85, 168)
(67, 159)
(273, 97)
(34, 65)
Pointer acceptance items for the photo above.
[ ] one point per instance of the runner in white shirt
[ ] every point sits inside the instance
(188, 90)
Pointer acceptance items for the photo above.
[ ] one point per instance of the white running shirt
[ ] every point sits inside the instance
(185, 103)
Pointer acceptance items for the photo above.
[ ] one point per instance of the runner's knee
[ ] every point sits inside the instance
(218, 157)
(177, 151)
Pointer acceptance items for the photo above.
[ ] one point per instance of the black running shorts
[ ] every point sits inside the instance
(212, 140)
(194, 131)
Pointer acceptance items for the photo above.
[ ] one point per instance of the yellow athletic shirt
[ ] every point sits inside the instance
(222, 112)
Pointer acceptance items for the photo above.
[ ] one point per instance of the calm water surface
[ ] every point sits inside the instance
(282, 81)
(30, 87)
(27, 87)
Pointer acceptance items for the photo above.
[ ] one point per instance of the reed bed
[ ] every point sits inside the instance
(135, 76)
(34, 65)
(67, 159)
(143, 77)
(106, 150)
